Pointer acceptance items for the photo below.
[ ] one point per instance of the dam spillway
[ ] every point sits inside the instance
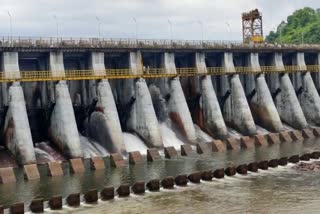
(196, 89)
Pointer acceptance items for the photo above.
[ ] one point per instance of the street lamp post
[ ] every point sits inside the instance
(10, 20)
(57, 25)
(170, 29)
(136, 24)
(99, 26)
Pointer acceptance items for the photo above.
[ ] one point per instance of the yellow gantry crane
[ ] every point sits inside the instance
(252, 27)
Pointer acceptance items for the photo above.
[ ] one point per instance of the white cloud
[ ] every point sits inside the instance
(77, 18)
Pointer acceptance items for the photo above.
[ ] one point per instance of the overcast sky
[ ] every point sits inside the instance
(78, 18)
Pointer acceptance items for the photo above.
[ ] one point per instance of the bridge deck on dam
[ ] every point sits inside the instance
(33, 76)
(28, 44)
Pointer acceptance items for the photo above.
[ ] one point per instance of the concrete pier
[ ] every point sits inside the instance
(17, 134)
(213, 121)
(142, 117)
(285, 98)
(176, 103)
(260, 100)
(63, 129)
(104, 124)
(306, 91)
(235, 107)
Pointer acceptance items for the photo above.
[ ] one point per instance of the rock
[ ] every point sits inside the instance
(273, 163)
(218, 173)
(264, 165)
(207, 175)
(168, 182)
(305, 157)
(138, 187)
(283, 161)
(253, 167)
(315, 155)
(195, 177)
(181, 180)
(230, 171)
(294, 159)
(153, 185)
(242, 169)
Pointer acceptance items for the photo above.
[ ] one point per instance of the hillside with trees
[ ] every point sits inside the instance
(303, 26)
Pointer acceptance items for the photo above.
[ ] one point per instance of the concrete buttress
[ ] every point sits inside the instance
(235, 108)
(17, 131)
(261, 103)
(306, 91)
(104, 123)
(63, 129)
(286, 100)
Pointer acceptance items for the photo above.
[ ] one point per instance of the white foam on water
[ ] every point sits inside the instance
(91, 148)
(134, 143)
(202, 137)
(169, 137)
(41, 153)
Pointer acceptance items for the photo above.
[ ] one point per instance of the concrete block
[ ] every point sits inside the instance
(260, 140)
(203, 148)
(36, 206)
(135, 158)
(296, 135)
(273, 163)
(73, 200)
(55, 203)
(316, 131)
(181, 180)
(242, 169)
(253, 167)
(273, 138)
(31, 172)
(230, 171)
(294, 159)
(97, 163)
(283, 161)
(138, 187)
(307, 133)
(54, 169)
(123, 190)
(153, 185)
(91, 197)
(247, 142)
(107, 193)
(305, 157)
(233, 144)
(7, 175)
(195, 177)
(17, 208)
(285, 137)
(1, 209)
(117, 160)
(76, 165)
(170, 152)
(264, 165)
(218, 146)
(207, 175)
(218, 173)
(167, 182)
(153, 155)
(186, 150)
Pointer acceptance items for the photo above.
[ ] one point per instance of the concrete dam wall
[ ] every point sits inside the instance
(84, 118)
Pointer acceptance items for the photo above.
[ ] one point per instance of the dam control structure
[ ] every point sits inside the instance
(62, 90)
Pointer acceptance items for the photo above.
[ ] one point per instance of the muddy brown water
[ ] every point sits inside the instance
(280, 190)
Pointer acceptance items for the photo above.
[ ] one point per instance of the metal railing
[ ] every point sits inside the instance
(33, 76)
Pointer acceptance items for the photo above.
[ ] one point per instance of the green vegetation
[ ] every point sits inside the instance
(303, 26)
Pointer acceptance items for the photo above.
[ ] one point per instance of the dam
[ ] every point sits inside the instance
(83, 99)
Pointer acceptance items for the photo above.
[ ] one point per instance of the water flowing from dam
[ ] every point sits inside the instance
(170, 137)
(134, 143)
(91, 148)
